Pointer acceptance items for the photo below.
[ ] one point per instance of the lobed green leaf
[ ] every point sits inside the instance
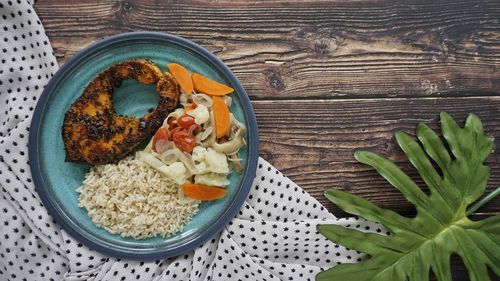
(361, 207)
(440, 227)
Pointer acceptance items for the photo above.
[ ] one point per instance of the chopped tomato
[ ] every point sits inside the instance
(172, 123)
(171, 132)
(185, 121)
(183, 140)
(194, 129)
(160, 140)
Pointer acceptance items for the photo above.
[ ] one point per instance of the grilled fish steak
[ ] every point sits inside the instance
(93, 132)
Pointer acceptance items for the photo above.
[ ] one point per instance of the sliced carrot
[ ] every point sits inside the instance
(210, 87)
(181, 74)
(203, 192)
(189, 106)
(221, 117)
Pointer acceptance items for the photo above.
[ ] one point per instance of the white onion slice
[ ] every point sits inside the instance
(236, 162)
(228, 100)
(233, 153)
(187, 160)
(235, 124)
(170, 156)
(206, 133)
(202, 99)
(232, 145)
(201, 114)
(183, 98)
(162, 145)
(150, 159)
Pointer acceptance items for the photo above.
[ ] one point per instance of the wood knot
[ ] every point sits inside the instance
(124, 10)
(346, 186)
(325, 46)
(323, 41)
(273, 77)
(127, 6)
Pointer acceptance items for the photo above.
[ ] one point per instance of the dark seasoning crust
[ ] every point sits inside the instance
(92, 131)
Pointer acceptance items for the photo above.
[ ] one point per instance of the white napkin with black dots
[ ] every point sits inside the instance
(273, 237)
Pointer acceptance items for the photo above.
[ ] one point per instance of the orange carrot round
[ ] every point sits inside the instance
(203, 192)
(210, 87)
(221, 117)
(181, 75)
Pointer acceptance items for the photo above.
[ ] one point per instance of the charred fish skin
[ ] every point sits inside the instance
(92, 131)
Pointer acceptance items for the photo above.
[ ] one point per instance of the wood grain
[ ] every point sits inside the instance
(312, 49)
(313, 141)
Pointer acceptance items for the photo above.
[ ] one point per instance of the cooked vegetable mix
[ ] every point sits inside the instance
(441, 226)
(197, 142)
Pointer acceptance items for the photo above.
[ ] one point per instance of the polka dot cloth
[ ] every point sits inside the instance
(273, 237)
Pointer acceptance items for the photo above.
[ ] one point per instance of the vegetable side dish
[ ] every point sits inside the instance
(196, 143)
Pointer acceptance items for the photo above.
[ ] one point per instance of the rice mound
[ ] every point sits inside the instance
(131, 198)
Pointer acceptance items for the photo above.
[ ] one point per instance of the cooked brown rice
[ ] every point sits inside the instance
(131, 198)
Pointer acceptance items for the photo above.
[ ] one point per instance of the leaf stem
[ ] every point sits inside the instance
(483, 201)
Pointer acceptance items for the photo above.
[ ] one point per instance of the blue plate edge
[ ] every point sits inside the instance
(214, 228)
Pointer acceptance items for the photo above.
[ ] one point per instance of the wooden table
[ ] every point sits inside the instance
(328, 77)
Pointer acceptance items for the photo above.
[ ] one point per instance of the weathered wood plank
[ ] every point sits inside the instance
(313, 142)
(313, 49)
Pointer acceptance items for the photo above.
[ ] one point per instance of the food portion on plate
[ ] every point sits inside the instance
(134, 200)
(198, 141)
(192, 149)
(93, 132)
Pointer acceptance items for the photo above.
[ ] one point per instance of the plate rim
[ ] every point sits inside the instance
(227, 215)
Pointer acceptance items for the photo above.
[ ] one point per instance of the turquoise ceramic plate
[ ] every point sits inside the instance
(56, 180)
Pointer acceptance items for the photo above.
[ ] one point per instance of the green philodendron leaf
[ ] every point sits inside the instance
(441, 227)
